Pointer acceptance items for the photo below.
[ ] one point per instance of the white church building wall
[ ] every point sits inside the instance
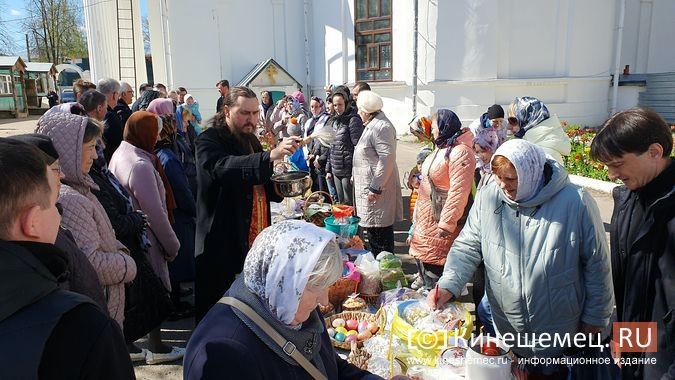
(471, 53)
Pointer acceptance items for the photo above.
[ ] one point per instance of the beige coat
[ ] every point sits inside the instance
(375, 168)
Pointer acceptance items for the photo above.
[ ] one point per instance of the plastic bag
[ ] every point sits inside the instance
(391, 272)
(370, 274)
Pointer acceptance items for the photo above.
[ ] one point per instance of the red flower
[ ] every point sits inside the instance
(577, 157)
(601, 166)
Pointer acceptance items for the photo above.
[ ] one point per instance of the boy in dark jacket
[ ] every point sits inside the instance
(636, 145)
(44, 331)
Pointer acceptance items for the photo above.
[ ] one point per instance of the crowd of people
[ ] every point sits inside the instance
(110, 207)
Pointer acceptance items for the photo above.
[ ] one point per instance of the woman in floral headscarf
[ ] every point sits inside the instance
(139, 170)
(444, 196)
(286, 276)
(485, 144)
(530, 120)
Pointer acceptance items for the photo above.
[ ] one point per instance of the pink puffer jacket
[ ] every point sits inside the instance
(454, 175)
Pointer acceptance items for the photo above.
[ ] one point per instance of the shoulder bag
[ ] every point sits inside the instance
(287, 346)
(438, 196)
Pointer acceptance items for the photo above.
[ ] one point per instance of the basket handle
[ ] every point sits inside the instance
(315, 193)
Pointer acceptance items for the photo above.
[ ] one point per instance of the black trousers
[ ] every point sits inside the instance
(380, 239)
(211, 283)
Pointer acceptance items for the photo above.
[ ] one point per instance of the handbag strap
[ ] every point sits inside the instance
(287, 346)
(431, 182)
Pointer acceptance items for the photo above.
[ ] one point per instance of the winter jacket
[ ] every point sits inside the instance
(134, 169)
(642, 238)
(128, 226)
(56, 334)
(348, 130)
(224, 346)
(84, 216)
(82, 277)
(123, 112)
(375, 170)
(546, 260)
(550, 136)
(183, 267)
(454, 175)
(112, 134)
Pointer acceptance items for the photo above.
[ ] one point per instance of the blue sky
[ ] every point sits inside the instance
(15, 13)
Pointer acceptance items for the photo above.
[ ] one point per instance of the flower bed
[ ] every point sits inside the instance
(579, 161)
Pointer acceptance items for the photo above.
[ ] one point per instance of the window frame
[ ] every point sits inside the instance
(377, 68)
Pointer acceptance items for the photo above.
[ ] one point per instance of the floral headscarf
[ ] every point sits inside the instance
(487, 139)
(147, 97)
(280, 261)
(529, 160)
(449, 129)
(529, 112)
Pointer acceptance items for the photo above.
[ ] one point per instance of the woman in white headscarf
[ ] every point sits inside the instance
(545, 253)
(286, 276)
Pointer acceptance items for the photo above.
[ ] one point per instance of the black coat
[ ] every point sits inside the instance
(348, 130)
(226, 174)
(112, 134)
(128, 226)
(84, 343)
(642, 240)
(222, 346)
(123, 112)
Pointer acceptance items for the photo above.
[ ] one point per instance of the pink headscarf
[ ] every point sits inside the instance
(299, 95)
(161, 106)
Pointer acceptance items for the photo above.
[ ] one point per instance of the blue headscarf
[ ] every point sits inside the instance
(529, 112)
(449, 129)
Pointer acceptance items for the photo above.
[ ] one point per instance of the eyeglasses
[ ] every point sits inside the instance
(513, 121)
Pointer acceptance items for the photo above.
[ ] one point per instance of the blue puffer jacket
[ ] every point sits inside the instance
(546, 260)
(348, 130)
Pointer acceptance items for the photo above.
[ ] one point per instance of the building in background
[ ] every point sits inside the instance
(463, 54)
(13, 101)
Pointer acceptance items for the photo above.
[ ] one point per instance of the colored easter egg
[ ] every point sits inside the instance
(338, 322)
(340, 337)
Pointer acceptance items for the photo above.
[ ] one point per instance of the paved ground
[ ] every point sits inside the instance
(178, 333)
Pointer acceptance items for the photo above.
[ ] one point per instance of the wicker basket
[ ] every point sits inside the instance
(371, 299)
(318, 217)
(359, 316)
(338, 292)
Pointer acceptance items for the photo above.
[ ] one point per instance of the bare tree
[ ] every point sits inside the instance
(146, 34)
(7, 45)
(55, 30)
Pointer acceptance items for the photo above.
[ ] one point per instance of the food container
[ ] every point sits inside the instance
(345, 230)
(292, 184)
(495, 365)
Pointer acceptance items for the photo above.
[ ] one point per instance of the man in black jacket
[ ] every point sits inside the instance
(122, 107)
(114, 129)
(636, 146)
(45, 332)
(233, 196)
(223, 87)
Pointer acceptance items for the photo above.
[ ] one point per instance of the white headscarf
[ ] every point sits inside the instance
(529, 160)
(279, 264)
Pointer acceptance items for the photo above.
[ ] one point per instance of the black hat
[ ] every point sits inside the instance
(495, 111)
(42, 142)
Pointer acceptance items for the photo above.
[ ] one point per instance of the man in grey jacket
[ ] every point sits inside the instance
(546, 258)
